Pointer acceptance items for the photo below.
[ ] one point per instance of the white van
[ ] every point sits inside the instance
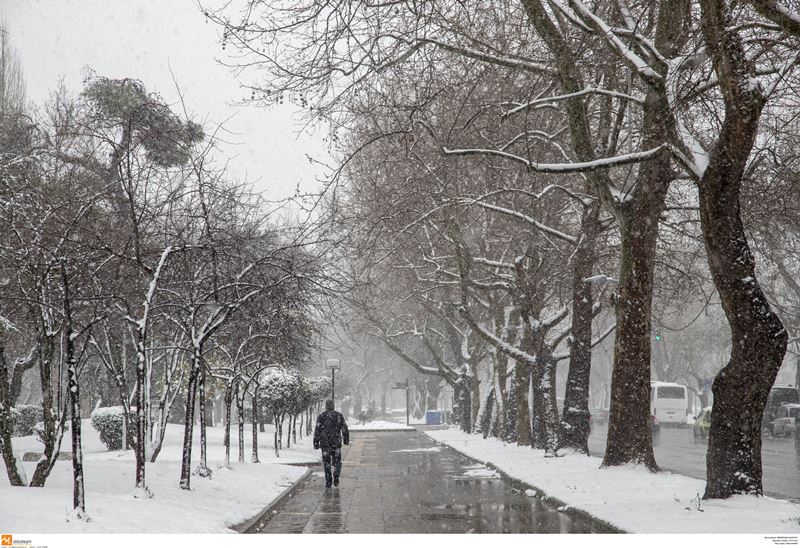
(669, 402)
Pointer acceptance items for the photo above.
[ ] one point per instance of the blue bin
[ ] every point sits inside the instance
(433, 418)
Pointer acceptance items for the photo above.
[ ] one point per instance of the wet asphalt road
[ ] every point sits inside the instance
(402, 482)
(677, 451)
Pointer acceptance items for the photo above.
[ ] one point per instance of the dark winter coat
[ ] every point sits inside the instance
(330, 431)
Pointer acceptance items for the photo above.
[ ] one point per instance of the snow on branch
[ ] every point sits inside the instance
(492, 58)
(405, 357)
(600, 279)
(555, 318)
(779, 14)
(504, 347)
(489, 262)
(632, 58)
(546, 101)
(527, 218)
(790, 63)
(600, 338)
(572, 167)
(5, 324)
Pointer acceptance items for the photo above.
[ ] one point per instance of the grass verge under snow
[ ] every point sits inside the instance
(229, 497)
(629, 497)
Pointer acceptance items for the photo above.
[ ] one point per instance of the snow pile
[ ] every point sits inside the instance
(380, 425)
(213, 505)
(629, 497)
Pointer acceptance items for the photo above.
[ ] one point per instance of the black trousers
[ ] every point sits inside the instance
(332, 457)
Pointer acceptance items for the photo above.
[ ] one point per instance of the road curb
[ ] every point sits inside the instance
(248, 525)
(540, 494)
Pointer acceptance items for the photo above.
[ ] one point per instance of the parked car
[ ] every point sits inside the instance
(778, 395)
(702, 424)
(783, 424)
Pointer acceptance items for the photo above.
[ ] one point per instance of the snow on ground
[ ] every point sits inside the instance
(229, 497)
(629, 497)
(380, 425)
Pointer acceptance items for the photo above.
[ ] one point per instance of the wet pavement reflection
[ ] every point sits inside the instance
(402, 482)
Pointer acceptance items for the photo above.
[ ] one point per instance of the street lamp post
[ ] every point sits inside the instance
(333, 364)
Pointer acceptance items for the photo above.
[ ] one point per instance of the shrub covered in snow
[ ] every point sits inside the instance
(108, 422)
(319, 388)
(280, 389)
(287, 391)
(25, 418)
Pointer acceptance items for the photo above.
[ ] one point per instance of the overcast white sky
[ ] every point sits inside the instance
(142, 39)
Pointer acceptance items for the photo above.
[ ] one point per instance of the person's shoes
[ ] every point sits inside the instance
(336, 482)
(327, 485)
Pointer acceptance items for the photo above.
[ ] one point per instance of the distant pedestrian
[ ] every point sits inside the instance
(329, 434)
(362, 417)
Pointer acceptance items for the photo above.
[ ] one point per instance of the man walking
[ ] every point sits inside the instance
(330, 432)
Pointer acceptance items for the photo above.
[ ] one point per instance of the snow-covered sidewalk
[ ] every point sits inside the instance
(213, 505)
(629, 497)
(380, 425)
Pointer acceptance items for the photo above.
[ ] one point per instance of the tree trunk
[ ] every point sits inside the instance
(164, 408)
(574, 428)
(485, 422)
(16, 474)
(276, 440)
(254, 404)
(240, 422)
(501, 399)
(629, 436)
(758, 338)
(141, 412)
(73, 388)
(474, 395)
(202, 467)
(463, 403)
(51, 439)
(522, 416)
(511, 414)
(15, 385)
(538, 435)
(548, 418)
(74, 402)
(191, 392)
(228, 409)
